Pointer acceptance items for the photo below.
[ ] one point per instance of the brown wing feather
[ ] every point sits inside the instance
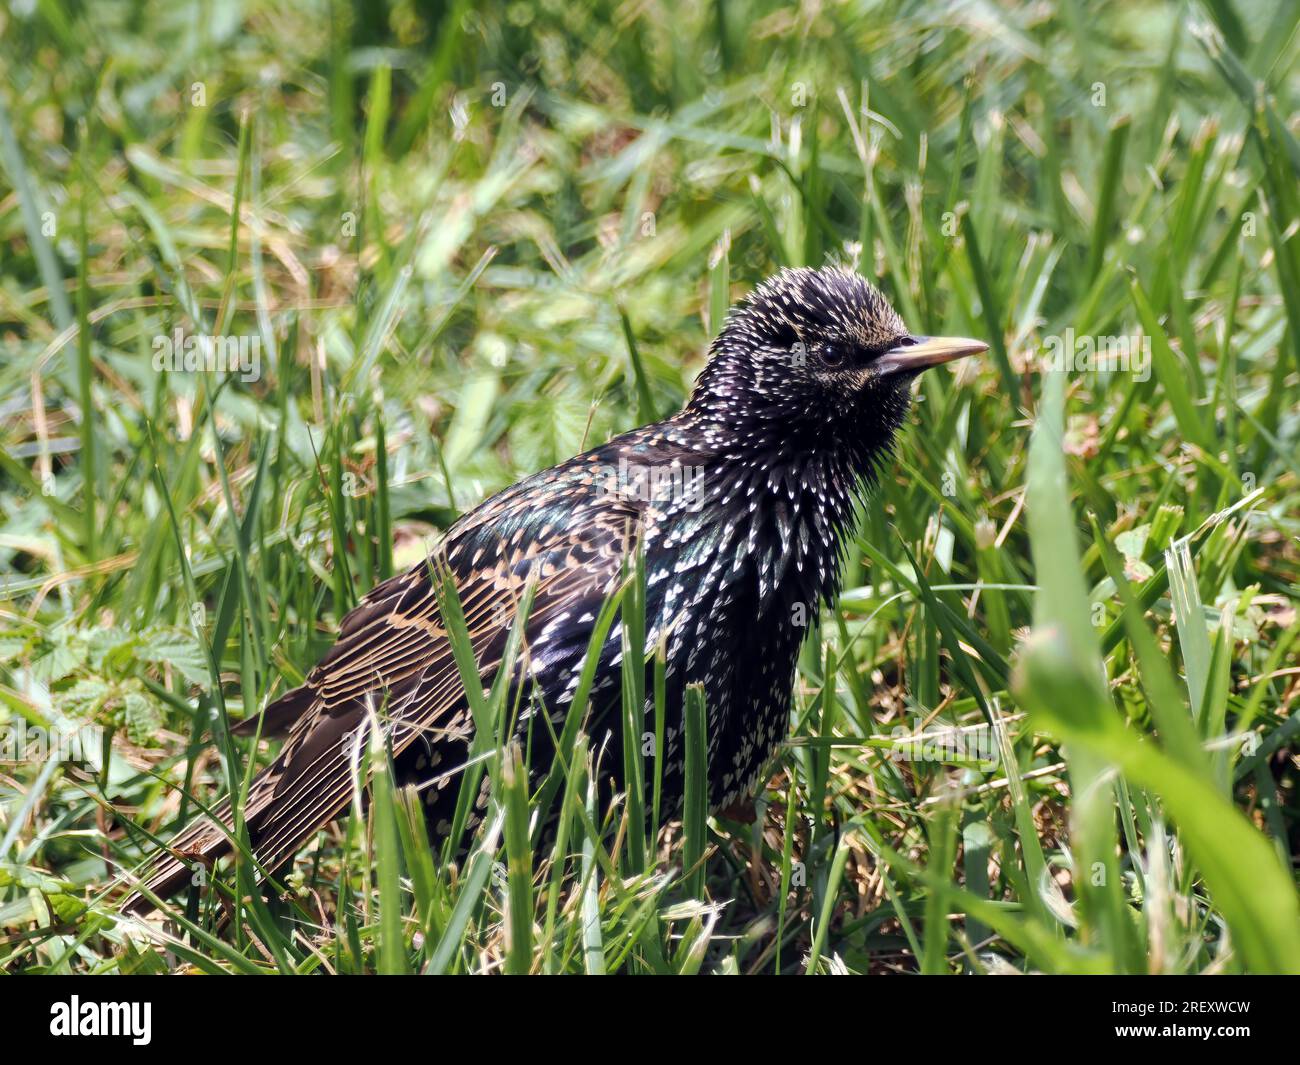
(393, 660)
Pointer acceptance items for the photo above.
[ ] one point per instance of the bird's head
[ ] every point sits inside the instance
(816, 358)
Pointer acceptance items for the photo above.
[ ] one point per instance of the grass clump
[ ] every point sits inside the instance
(1049, 726)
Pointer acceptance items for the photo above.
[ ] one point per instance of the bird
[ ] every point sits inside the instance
(740, 508)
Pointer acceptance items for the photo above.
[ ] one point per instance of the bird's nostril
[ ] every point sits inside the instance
(871, 354)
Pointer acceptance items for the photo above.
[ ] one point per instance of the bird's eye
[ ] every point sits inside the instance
(834, 355)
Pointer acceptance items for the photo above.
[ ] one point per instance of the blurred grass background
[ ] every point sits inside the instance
(470, 240)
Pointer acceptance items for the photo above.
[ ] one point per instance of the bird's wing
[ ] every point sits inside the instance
(393, 658)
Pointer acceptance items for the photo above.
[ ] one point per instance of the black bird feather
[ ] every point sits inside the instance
(742, 504)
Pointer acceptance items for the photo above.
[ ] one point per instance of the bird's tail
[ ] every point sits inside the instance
(191, 854)
(187, 860)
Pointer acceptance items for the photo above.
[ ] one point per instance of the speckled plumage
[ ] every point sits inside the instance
(742, 504)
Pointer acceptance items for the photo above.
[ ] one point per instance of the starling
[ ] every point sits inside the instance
(741, 506)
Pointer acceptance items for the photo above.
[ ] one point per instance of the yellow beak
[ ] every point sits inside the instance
(915, 354)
